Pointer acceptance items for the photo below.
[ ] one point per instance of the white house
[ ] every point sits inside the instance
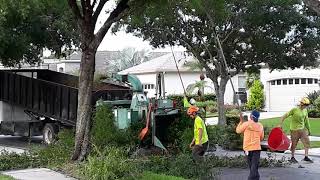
(283, 89)
(147, 72)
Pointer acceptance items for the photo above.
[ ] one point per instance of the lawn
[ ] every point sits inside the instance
(153, 176)
(313, 144)
(4, 177)
(273, 122)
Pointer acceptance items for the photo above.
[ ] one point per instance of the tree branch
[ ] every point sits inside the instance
(83, 5)
(314, 5)
(94, 3)
(115, 15)
(98, 10)
(75, 9)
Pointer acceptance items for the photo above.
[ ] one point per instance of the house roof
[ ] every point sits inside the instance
(163, 63)
(103, 58)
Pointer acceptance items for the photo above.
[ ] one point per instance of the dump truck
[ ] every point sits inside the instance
(37, 102)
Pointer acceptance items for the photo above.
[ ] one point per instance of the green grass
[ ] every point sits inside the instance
(5, 177)
(313, 144)
(273, 122)
(153, 176)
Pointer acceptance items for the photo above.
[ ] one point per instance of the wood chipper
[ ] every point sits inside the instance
(158, 112)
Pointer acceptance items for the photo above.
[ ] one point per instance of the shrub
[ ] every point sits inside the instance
(225, 135)
(312, 96)
(179, 99)
(317, 103)
(256, 96)
(105, 133)
(112, 163)
(314, 113)
(58, 153)
(54, 155)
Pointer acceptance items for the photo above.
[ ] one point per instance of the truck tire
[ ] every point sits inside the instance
(49, 133)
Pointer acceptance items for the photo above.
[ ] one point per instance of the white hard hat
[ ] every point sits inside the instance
(192, 101)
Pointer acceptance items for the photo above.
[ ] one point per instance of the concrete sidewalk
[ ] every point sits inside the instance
(37, 174)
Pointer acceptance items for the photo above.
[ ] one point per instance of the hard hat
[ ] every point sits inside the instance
(192, 110)
(305, 101)
(192, 101)
(255, 115)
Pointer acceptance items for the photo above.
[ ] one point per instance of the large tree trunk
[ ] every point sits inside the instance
(220, 89)
(87, 68)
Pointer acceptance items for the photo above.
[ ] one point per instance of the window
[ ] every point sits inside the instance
(303, 81)
(316, 81)
(296, 81)
(241, 82)
(290, 81)
(278, 82)
(148, 86)
(273, 82)
(284, 81)
(310, 81)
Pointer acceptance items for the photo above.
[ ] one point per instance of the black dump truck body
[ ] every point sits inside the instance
(29, 99)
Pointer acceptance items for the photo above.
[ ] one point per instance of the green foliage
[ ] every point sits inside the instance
(314, 109)
(317, 103)
(256, 96)
(105, 132)
(312, 96)
(225, 135)
(112, 163)
(185, 140)
(210, 98)
(5, 177)
(153, 176)
(57, 154)
(313, 113)
(28, 26)
(251, 77)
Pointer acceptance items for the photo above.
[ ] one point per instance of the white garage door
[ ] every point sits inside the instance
(286, 93)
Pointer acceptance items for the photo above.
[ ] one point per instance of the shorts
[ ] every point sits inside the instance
(302, 135)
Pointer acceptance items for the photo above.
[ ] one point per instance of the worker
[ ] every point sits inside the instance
(299, 128)
(199, 143)
(253, 135)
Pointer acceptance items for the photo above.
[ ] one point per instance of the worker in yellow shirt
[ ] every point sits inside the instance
(252, 136)
(199, 143)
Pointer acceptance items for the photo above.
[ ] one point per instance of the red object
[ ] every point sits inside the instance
(278, 141)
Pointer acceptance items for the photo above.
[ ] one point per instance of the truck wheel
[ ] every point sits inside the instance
(49, 133)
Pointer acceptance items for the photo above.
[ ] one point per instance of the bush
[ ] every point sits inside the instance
(112, 163)
(179, 99)
(225, 135)
(105, 133)
(317, 104)
(314, 113)
(57, 154)
(256, 96)
(313, 96)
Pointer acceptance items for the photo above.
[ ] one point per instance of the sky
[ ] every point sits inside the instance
(121, 40)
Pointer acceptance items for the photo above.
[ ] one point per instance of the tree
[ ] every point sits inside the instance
(314, 5)
(256, 96)
(86, 13)
(127, 58)
(241, 33)
(28, 26)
